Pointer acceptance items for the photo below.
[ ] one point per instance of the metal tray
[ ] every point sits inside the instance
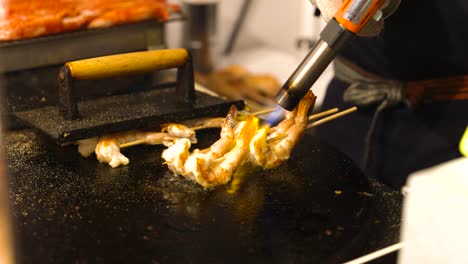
(59, 48)
(30, 67)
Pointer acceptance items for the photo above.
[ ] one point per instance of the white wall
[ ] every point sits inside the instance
(273, 23)
(267, 41)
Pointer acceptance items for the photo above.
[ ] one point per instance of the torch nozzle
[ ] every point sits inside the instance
(332, 39)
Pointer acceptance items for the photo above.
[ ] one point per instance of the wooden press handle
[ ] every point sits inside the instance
(124, 64)
(127, 63)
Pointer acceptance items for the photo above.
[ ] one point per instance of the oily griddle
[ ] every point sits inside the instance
(66, 208)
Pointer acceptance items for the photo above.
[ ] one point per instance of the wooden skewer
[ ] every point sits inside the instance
(202, 127)
(329, 118)
(377, 254)
(132, 143)
(311, 117)
(143, 141)
(322, 114)
(214, 125)
(266, 111)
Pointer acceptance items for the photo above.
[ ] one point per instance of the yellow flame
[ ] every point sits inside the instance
(251, 127)
(464, 143)
(244, 170)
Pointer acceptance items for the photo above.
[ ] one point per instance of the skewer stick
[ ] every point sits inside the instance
(205, 126)
(264, 111)
(132, 143)
(329, 118)
(213, 125)
(311, 117)
(377, 254)
(322, 114)
(143, 141)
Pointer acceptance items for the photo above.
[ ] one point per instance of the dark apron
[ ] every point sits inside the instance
(420, 41)
(406, 140)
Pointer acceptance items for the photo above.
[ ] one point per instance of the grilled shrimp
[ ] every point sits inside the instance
(192, 165)
(224, 144)
(227, 134)
(215, 165)
(283, 127)
(199, 160)
(176, 155)
(220, 171)
(270, 147)
(87, 146)
(108, 151)
(179, 131)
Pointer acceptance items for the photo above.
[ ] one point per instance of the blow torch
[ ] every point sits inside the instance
(349, 20)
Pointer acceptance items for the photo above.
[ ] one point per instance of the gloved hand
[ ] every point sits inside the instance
(328, 9)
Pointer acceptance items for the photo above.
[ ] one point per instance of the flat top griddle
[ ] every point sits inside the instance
(67, 208)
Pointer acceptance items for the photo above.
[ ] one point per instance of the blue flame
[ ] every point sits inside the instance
(276, 116)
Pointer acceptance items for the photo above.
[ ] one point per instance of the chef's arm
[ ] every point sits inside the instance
(350, 18)
(328, 9)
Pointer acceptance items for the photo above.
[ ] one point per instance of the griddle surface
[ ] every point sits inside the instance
(141, 110)
(70, 209)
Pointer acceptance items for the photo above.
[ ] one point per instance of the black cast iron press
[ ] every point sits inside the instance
(73, 119)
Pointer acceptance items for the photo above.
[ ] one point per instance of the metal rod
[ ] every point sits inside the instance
(332, 39)
(237, 27)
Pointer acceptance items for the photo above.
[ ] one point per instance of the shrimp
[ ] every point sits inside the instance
(216, 150)
(270, 147)
(215, 165)
(284, 125)
(219, 171)
(182, 162)
(199, 160)
(227, 134)
(87, 146)
(180, 131)
(176, 155)
(108, 151)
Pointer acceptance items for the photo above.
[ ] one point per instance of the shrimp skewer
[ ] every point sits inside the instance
(270, 147)
(108, 147)
(182, 162)
(181, 146)
(213, 122)
(239, 141)
(219, 171)
(215, 165)
(227, 134)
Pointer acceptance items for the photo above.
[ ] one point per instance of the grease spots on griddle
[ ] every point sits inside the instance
(144, 210)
